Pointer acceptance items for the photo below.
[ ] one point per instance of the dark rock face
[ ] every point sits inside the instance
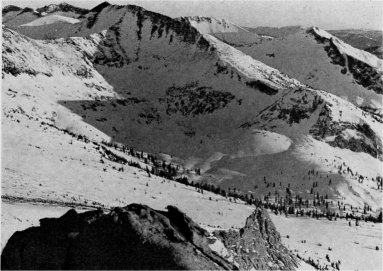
(193, 99)
(295, 106)
(367, 141)
(100, 7)
(262, 87)
(258, 245)
(138, 237)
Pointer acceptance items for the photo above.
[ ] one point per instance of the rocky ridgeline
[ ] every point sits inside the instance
(363, 74)
(257, 245)
(138, 237)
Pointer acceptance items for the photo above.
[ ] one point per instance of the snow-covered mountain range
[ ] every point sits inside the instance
(81, 87)
(195, 95)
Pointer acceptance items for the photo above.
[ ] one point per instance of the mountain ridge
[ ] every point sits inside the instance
(249, 70)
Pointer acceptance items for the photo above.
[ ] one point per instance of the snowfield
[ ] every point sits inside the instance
(329, 159)
(51, 19)
(71, 171)
(354, 246)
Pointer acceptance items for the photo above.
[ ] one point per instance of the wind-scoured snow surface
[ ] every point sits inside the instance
(51, 19)
(208, 25)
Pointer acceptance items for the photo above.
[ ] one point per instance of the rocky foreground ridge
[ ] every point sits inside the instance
(139, 237)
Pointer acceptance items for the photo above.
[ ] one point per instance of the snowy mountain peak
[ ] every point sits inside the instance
(62, 7)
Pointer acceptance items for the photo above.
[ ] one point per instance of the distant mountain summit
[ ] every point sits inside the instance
(368, 40)
(62, 9)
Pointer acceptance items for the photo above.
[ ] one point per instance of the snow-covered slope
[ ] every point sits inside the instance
(207, 25)
(52, 19)
(196, 99)
(361, 38)
(72, 168)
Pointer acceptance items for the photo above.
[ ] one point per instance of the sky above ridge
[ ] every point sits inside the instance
(362, 14)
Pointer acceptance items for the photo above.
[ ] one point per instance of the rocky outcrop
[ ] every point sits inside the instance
(361, 139)
(138, 237)
(193, 99)
(295, 106)
(257, 246)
